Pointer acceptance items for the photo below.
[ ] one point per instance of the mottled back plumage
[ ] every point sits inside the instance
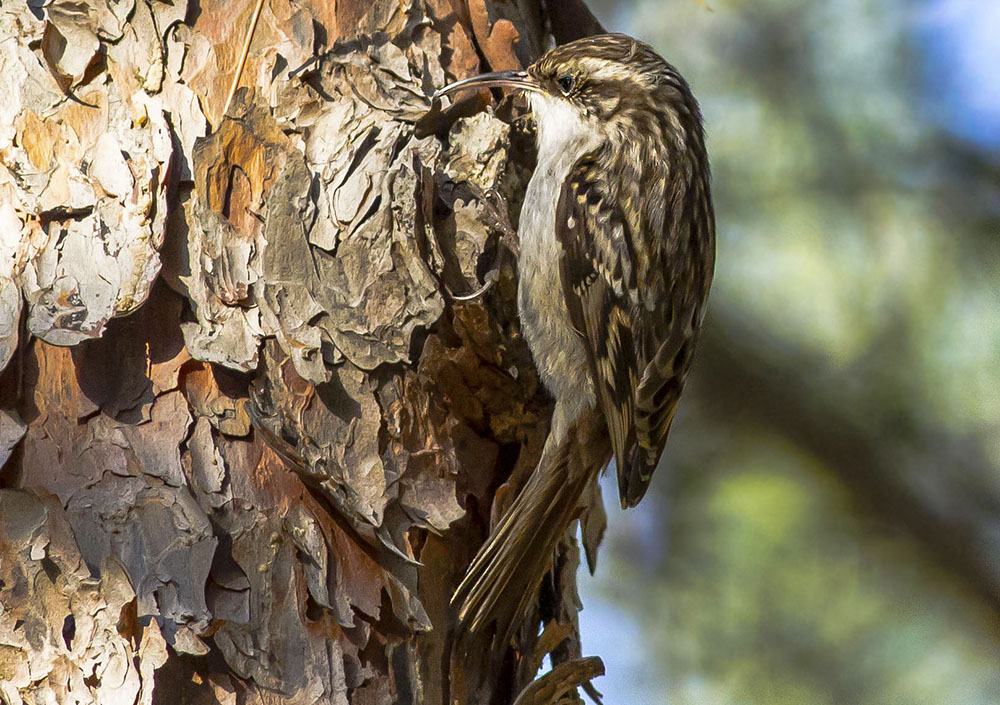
(635, 219)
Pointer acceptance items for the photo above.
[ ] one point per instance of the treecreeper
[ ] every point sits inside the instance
(617, 250)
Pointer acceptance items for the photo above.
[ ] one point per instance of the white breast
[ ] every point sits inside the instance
(564, 135)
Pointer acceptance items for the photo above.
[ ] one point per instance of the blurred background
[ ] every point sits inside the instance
(826, 525)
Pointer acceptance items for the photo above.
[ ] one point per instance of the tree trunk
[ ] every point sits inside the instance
(248, 441)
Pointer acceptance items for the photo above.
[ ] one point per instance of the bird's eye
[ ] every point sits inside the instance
(566, 83)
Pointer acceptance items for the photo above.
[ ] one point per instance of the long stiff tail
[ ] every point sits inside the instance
(505, 574)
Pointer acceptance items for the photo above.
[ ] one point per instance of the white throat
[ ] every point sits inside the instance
(564, 133)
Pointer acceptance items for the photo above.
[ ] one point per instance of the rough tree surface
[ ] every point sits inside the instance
(238, 403)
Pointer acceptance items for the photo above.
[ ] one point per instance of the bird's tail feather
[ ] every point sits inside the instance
(504, 576)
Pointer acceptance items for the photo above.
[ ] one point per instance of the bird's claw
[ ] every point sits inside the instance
(491, 278)
(494, 217)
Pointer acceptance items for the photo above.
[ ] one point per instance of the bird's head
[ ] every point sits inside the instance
(609, 80)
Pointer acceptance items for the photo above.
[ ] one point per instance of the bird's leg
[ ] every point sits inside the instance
(495, 218)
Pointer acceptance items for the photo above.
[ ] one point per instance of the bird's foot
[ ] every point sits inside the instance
(494, 217)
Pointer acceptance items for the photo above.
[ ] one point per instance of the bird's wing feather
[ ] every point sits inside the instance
(594, 286)
(638, 328)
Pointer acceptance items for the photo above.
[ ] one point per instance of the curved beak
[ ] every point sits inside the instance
(508, 79)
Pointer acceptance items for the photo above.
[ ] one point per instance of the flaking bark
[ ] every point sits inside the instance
(237, 402)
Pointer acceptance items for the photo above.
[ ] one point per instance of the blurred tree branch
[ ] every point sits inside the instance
(899, 464)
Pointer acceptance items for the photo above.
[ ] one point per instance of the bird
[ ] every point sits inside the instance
(617, 252)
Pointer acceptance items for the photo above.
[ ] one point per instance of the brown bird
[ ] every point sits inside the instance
(617, 250)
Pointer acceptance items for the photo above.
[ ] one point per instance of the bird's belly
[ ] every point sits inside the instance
(557, 348)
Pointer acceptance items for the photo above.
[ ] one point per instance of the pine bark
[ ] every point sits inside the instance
(248, 440)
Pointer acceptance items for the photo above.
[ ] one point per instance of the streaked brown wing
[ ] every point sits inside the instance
(639, 354)
(596, 272)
